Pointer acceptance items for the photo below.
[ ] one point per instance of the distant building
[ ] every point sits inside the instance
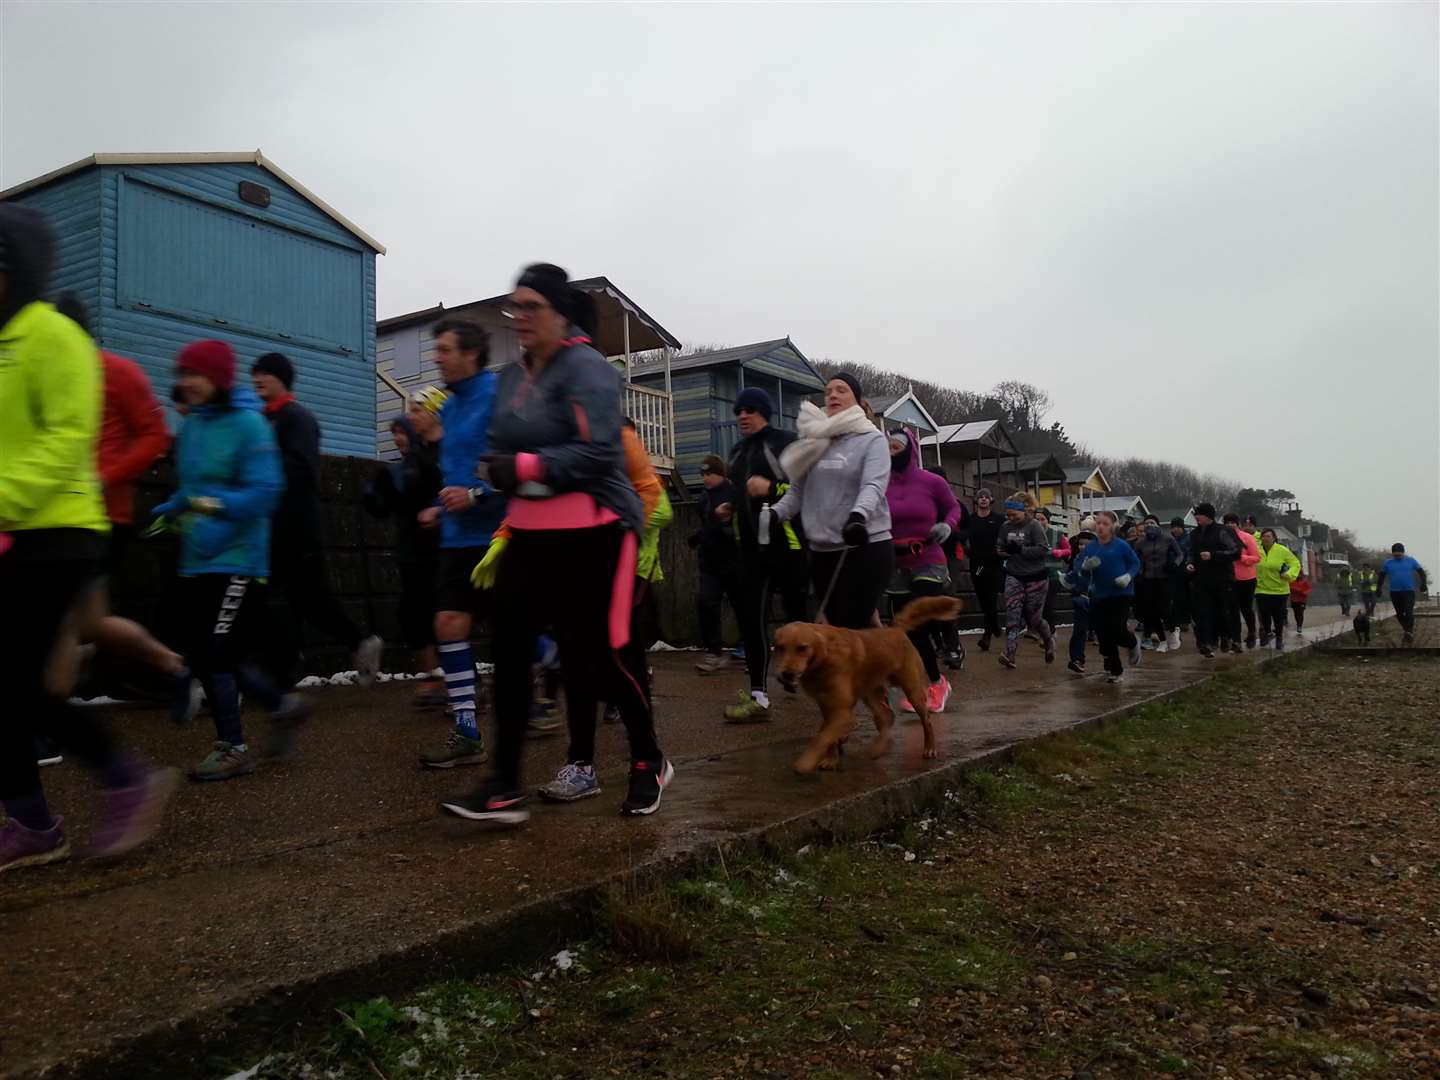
(168, 248)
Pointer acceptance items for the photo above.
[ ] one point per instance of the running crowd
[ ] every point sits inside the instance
(525, 502)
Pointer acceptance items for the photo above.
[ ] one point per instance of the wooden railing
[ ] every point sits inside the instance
(654, 414)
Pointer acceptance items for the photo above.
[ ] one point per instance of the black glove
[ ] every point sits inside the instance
(854, 532)
(499, 472)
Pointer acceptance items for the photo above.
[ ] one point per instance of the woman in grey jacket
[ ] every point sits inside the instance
(1025, 546)
(839, 469)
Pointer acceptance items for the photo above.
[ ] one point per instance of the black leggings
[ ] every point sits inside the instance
(1272, 616)
(565, 579)
(762, 576)
(417, 603)
(709, 604)
(988, 579)
(859, 576)
(1110, 619)
(219, 613)
(301, 580)
(922, 637)
(1404, 601)
(1152, 605)
(34, 599)
(1299, 610)
(1244, 609)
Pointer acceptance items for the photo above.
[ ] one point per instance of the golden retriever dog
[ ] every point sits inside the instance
(840, 667)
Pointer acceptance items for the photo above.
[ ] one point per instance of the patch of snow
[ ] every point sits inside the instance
(665, 646)
(103, 700)
(410, 1059)
(252, 1072)
(563, 960)
(909, 856)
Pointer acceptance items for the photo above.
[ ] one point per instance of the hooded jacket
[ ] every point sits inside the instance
(50, 401)
(296, 528)
(1026, 550)
(1276, 569)
(1249, 555)
(1345, 580)
(918, 500)
(849, 477)
(1157, 554)
(759, 455)
(226, 452)
(466, 418)
(1219, 540)
(568, 416)
(1300, 591)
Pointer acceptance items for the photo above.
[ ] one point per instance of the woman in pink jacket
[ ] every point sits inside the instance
(1244, 585)
(923, 513)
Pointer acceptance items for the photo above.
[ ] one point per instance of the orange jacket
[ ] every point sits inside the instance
(133, 435)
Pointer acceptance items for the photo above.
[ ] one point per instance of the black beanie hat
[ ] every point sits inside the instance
(1205, 510)
(553, 283)
(756, 400)
(274, 363)
(850, 381)
(1177, 523)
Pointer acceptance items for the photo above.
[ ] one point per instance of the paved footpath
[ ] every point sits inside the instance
(331, 873)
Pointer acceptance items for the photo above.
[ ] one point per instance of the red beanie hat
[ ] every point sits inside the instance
(213, 359)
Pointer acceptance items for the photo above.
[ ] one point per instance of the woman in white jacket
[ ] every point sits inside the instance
(839, 469)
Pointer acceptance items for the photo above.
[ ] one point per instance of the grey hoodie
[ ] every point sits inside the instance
(850, 477)
(1028, 563)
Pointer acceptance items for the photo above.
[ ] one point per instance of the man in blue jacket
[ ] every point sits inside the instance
(467, 514)
(1407, 577)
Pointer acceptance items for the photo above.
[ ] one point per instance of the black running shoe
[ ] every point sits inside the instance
(1207, 652)
(648, 781)
(984, 642)
(955, 659)
(491, 801)
(1007, 661)
(1077, 666)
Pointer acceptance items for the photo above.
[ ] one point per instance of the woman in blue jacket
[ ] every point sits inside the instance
(230, 482)
(1112, 565)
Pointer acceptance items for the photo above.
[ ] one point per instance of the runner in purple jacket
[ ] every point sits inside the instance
(923, 513)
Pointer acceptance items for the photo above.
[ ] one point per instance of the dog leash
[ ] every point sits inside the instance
(824, 603)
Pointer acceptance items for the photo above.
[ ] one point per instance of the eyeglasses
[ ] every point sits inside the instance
(513, 308)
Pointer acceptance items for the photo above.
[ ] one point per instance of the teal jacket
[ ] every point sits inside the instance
(226, 453)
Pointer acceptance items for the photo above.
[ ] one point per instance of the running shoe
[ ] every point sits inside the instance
(937, 695)
(1207, 652)
(545, 718)
(1134, 655)
(984, 643)
(1174, 641)
(571, 784)
(747, 711)
(1147, 644)
(1050, 649)
(225, 762)
(1279, 645)
(430, 694)
(1237, 648)
(1162, 646)
(1300, 630)
(20, 846)
(955, 659)
(1116, 678)
(186, 696)
(611, 715)
(1249, 643)
(1007, 661)
(905, 705)
(1076, 666)
(712, 663)
(490, 802)
(1264, 640)
(1407, 639)
(648, 781)
(46, 752)
(367, 659)
(285, 725)
(132, 814)
(458, 749)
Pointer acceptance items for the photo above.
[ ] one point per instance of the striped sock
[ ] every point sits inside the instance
(459, 665)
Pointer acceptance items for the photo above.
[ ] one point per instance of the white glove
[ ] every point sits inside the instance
(939, 533)
(1092, 563)
(1123, 580)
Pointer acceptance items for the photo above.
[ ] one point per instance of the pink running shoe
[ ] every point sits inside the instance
(937, 695)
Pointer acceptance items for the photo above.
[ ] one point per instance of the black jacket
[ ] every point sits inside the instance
(758, 455)
(1219, 540)
(715, 541)
(982, 535)
(296, 526)
(402, 489)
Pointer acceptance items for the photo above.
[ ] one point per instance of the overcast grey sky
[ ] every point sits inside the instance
(1209, 230)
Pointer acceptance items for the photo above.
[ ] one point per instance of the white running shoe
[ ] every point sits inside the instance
(1174, 641)
(367, 660)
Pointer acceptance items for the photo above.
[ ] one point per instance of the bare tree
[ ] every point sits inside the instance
(1024, 403)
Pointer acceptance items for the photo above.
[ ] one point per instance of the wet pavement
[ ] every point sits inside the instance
(332, 871)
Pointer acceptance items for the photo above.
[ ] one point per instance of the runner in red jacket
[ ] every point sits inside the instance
(1299, 597)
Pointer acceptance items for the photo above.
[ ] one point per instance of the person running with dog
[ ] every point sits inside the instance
(1026, 548)
(1277, 569)
(52, 528)
(575, 523)
(759, 480)
(230, 482)
(1407, 580)
(1112, 565)
(923, 516)
(1369, 590)
(987, 563)
(1244, 585)
(1211, 551)
(839, 469)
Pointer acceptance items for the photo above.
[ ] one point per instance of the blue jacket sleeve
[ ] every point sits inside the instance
(261, 481)
(594, 447)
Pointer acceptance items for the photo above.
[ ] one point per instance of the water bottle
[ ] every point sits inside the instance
(762, 530)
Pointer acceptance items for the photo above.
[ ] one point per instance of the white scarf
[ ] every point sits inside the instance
(816, 431)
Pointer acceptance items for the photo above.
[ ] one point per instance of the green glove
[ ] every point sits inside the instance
(483, 576)
(158, 527)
